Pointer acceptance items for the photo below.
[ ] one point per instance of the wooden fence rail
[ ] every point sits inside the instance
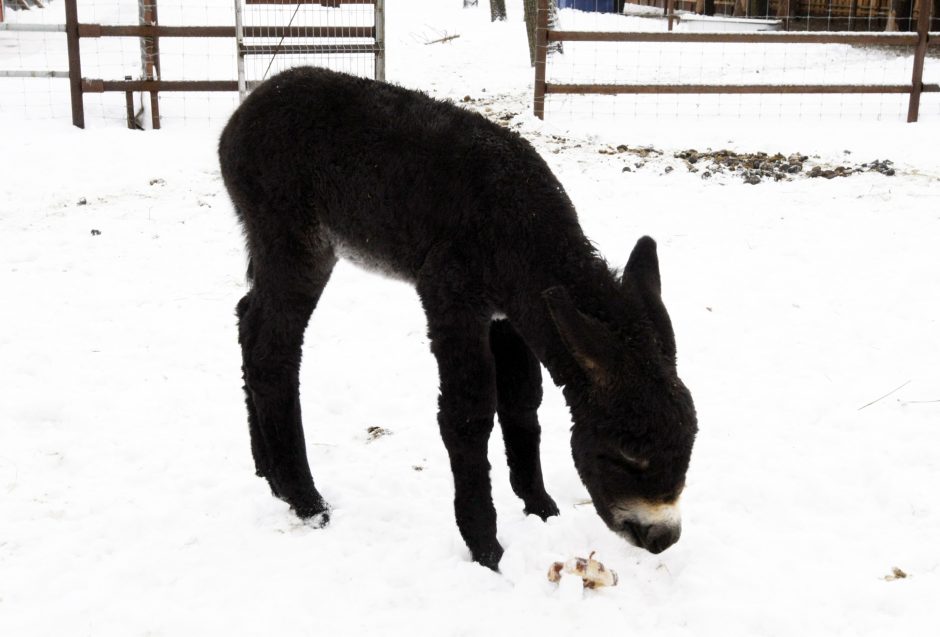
(150, 32)
(919, 41)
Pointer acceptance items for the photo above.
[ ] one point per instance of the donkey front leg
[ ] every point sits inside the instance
(519, 394)
(467, 404)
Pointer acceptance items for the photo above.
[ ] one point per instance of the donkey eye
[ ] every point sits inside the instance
(625, 461)
(632, 461)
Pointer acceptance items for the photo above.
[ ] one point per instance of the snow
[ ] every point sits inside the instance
(128, 504)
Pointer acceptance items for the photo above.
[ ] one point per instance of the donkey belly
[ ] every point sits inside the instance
(384, 264)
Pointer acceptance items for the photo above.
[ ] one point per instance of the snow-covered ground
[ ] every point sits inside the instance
(128, 504)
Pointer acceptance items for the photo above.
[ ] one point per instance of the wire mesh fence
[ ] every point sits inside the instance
(142, 41)
(781, 51)
(28, 59)
(277, 42)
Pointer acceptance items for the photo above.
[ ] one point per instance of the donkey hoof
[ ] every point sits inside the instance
(543, 507)
(489, 557)
(315, 517)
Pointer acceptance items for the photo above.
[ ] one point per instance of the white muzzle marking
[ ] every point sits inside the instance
(645, 513)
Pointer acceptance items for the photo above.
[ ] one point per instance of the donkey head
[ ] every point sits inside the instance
(634, 421)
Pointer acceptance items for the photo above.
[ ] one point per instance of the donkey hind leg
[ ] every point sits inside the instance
(272, 319)
(258, 450)
(519, 394)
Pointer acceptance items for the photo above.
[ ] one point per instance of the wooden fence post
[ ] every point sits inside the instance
(75, 63)
(541, 55)
(917, 79)
(379, 21)
(129, 105)
(150, 56)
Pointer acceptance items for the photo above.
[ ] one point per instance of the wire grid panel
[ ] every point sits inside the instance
(930, 102)
(167, 58)
(668, 63)
(792, 15)
(282, 52)
(38, 51)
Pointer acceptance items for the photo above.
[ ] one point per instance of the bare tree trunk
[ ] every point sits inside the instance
(530, 7)
(497, 10)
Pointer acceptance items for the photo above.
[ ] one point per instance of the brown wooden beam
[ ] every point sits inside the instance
(617, 89)
(770, 37)
(75, 62)
(920, 52)
(307, 49)
(541, 57)
(102, 86)
(160, 31)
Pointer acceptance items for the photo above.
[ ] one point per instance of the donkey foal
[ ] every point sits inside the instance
(321, 165)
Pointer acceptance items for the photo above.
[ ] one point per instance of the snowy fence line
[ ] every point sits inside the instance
(829, 15)
(264, 39)
(647, 34)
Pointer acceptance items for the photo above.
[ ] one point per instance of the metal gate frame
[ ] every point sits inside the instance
(150, 32)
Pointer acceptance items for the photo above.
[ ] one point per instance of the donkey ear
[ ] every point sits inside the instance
(643, 266)
(642, 276)
(587, 339)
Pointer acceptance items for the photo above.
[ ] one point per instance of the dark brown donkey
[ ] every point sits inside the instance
(321, 165)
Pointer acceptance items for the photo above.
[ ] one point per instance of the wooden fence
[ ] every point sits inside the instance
(149, 31)
(919, 42)
(841, 14)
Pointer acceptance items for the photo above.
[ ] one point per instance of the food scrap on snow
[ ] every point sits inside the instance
(593, 573)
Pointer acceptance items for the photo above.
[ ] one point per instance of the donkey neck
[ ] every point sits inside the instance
(576, 266)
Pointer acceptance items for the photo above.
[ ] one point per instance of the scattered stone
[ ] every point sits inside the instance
(896, 574)
(82, 202)
(757, 167)
(158, 182)
(885, 167)
(643, 152)
(95, 232)
(377, 432)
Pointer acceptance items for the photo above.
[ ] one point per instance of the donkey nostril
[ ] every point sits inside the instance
(660, 537)
(638, 532)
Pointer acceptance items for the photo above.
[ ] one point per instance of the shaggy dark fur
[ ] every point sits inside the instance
(321, 165)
